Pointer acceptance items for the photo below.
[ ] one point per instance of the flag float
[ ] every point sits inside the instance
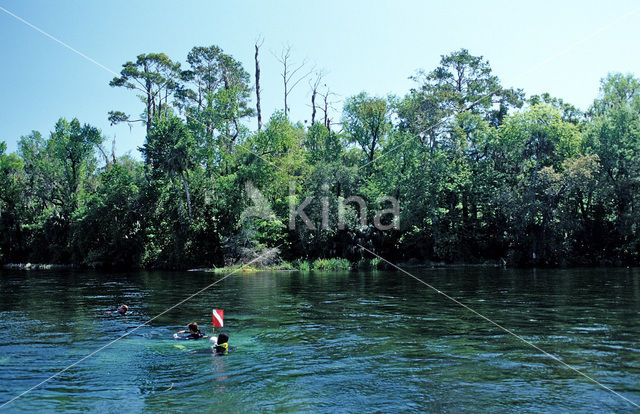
(218, 318)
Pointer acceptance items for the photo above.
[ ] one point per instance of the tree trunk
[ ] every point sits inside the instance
(148, 107)
(314, 93)
(258, 90)
(104, 155)
(372, 150)
(186, 190)
(465, 211)
(286, 108)
(113, 150)
(326, 111)
(313, 107)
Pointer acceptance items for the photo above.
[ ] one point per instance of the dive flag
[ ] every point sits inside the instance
(218, 317)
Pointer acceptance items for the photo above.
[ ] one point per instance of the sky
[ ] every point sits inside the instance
(561, 47)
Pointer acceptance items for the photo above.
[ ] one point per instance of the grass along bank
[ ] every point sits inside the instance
(330, 264)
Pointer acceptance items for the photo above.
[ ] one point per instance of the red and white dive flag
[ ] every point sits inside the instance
(218, 317)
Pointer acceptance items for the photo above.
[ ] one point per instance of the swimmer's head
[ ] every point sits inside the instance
(193, 327)
(123, 309)
(223, 338)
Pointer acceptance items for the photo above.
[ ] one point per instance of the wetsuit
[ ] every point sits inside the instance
(222, 349)
(197, 335)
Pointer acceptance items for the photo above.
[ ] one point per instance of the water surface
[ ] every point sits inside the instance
(324, 342)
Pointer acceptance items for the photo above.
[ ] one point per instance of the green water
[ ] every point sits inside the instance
(324, 342)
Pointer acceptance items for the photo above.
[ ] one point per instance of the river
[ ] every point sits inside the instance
(323, 341)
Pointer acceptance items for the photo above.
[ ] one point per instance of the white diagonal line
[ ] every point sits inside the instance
(136, 328)
(457, 302)
(55, 39)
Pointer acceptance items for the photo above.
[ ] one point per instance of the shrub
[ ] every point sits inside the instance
(370, 264)
(302, 265)
(331, 264)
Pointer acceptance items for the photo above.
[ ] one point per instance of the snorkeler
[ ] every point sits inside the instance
(122, 311)
(222, 344)
(194, 332)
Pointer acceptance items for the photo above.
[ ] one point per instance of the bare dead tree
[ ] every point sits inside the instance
(257, 45)
(291, 76)
(314, 92)
(114, 159)
(104, 155)
(113, 150)
(327, 105)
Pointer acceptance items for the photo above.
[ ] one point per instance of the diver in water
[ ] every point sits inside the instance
(221, 346)
(194, 332)
(122, 311)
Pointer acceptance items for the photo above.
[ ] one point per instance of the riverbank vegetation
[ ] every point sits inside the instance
(482, 172)
(296, 265)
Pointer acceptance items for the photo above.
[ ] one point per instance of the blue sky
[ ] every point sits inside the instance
(564, 48)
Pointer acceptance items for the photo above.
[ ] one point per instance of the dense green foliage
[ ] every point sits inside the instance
(481, 172)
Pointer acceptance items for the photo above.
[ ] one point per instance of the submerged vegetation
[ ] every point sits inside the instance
(482, 173)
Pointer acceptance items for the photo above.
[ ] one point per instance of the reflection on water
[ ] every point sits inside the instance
(324, 341)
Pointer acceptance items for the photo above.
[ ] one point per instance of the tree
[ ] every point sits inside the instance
(326, 105)
(461, 83)
(291, 75)
(216, 92)
(153, 75)
(169, 151)
(258, 110)
(614, 135)
(74, 147)
(569, 112)
(58, 168)
(322, 145)
(582, 217)
(12, 188)
(60, 176)
(111, 225)
(314, 94)
(536, 143)
(366, 120)
(477, 176)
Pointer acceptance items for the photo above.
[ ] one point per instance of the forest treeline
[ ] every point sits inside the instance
(481, 172)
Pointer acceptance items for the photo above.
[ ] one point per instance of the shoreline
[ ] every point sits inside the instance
(304, 266)
(333, 264)
(38, 266)
(340, 264)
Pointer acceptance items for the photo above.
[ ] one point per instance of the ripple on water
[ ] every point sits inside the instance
(337, 342)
